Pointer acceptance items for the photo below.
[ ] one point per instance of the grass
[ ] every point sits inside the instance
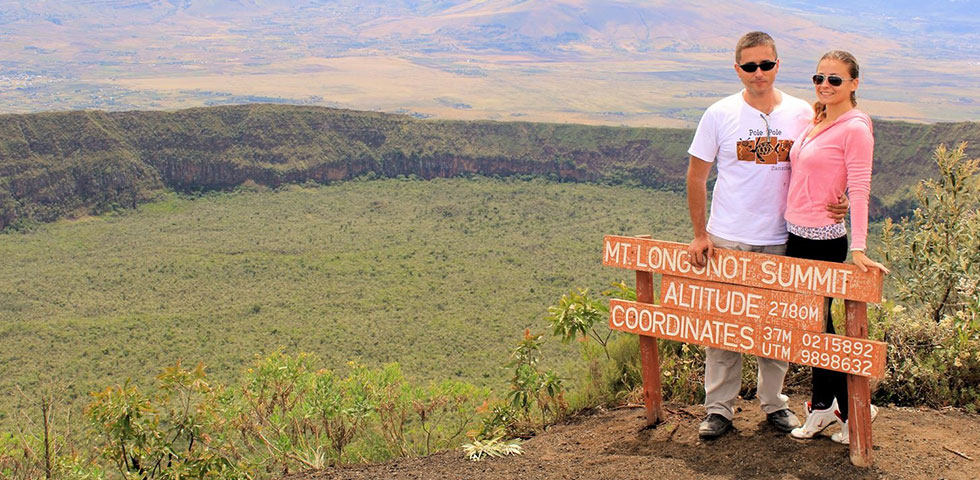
(441, 276)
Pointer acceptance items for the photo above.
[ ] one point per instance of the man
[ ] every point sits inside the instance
(748, 135)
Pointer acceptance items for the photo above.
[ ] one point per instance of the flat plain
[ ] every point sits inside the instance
(441, 276)
(598, 62)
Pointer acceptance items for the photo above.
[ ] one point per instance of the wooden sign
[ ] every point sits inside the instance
(855, 356)
(770, 307)
(745, 268)
(765, 305)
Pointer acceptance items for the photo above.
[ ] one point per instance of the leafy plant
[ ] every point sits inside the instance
(300, 416)
(530, 386)
(18, 460)
(937, 250)
(496, 420)
(937, 364)
(421, 420)
(494, 447)
(173, 433)
(285, 415)
(575, 317)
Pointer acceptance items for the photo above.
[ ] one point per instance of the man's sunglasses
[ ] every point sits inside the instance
(833, 80)
(765, 65)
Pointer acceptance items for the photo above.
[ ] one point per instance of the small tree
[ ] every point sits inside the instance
(529, 385)
(576, 316)
(173, 434)
(937, 251)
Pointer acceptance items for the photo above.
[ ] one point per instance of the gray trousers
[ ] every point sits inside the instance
(723, 368)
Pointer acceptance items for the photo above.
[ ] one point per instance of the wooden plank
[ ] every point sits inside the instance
(722, 300)
(859, 392)
(775, 272)
(833, 352)
(650, 358)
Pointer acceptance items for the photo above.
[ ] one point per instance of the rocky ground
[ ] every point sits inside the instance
(611, 444)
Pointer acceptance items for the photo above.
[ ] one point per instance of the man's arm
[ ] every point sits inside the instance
(839, 210)
(701, 247)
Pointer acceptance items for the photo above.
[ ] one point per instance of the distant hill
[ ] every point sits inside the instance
(59, 164)
(601, 62)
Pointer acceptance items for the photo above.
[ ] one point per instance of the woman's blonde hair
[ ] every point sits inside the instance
(819, 109)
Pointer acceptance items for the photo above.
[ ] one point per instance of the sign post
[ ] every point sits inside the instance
(765, 305)
(859, 389)
(649, 356)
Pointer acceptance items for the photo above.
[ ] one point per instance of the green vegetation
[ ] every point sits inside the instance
(938, 249)
(408, 295)
(288, 412)
(440, 276)
(934, 345)
(56, 165)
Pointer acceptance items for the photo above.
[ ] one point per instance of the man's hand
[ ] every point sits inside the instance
(839, 210)
(700, 250)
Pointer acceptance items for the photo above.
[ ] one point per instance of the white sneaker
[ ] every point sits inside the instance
(816, 420)
(843, 436)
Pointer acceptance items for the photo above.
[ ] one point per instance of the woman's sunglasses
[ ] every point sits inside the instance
(765, 65)
(833, 80)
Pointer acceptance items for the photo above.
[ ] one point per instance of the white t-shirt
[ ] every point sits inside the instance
(752, 152)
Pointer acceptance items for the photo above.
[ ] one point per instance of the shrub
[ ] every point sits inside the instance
(933, 346)
(531, 387)
(292, 415)
(936, 364)
(17, 460)
(421, 420)
(576, 315)
(285, 415)
(619, 377)
(177, 432)
(937, 252)
(45, 447)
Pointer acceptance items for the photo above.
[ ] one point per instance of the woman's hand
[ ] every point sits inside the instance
(863, 262)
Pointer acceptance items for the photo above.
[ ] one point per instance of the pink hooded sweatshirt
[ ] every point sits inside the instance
(836, 158)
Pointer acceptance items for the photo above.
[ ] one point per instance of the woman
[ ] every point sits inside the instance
(833, 154)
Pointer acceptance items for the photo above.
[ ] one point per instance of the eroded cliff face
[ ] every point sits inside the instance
(58, 164)
(52, 165)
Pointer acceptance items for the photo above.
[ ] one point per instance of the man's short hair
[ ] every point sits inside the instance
(754, 39)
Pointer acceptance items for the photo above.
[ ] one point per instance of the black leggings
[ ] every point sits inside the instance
(827, 384)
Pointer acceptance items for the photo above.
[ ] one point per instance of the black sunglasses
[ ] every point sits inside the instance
(833, 80)
(765, 65)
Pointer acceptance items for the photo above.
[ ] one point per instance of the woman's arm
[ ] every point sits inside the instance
(858, 154)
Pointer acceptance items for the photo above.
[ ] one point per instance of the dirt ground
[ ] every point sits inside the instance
(611, 444)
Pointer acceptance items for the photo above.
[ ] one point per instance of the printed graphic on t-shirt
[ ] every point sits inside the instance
(763, 150)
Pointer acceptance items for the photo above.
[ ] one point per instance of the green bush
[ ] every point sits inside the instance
(935, 364)
(618, 376)
(936, 252)
(18, 460)
(530, 387)
(934, 345)
(46, 446)
(176, 432)
(285, 415)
